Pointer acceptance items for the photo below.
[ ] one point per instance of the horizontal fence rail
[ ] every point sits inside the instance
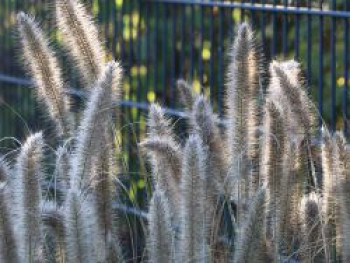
(273, 8)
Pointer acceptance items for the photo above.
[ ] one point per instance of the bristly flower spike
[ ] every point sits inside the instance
(161, 240)
(45, 72)
(81, 37)
(28, 195)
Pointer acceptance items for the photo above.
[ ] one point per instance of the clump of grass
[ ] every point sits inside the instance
(245, 192)
(263, 164)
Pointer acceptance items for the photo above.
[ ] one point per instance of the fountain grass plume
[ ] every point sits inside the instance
(289, 81)
(342, 170)
(165, 158)
(297, 79)
(80, 227)
(8, 244)
(161, 238)
(193, 228)
(52, 217)
(96, 116)
(169, 151)
(187, 96)
(237, 114)
(4, 170)
(328, 179)
(104, 190)
(165, 164)
(158, 124)
(45, 71)
(29, 172)
(328, 187)
(205, 125)
(311, 248)
(80, 35)
(62, 167)
(272, 161)
(285, 234)
(251, 245)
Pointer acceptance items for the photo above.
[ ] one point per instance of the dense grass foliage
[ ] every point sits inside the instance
(261, 184)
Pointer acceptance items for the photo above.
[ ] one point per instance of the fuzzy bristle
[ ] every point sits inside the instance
(96, 116)
(4, 170)
(165, 164)
(193, 246)
(285, 233)
(80, 227)
(241, 98)
(53, 219)
(312, 229)
(161, 238)
(158, 124)
(8, 245)
(273, 158)
(81, 38)
(62, 167)
(251, 245)
(28, 197)
(186, 93)
(104, 191)
(169, 151)
(45, 71)
(342, 170)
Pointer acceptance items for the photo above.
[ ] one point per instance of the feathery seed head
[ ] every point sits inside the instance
(8, 244)
(97, 116)
(80, 226)
(161, 235)
(4, 170)
(62, 166)
(44, 68)
(28, 196)
(157, 123)
(250, 245)
(205, 120)
(187, 97)
(81, 37)
(193, 245)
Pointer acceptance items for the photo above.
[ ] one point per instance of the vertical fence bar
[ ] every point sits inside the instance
(284, 30)
(155, 50)
(140, 10)
(182, 40)
(173, 51)
(192, 43)
(262, 25)
(114, 40)
(309, 47)
(200, 53)
(346, 70)
(320, 66)
(297, 32)
(148, 51)
(164, 50)
(242, 12)
(274, 32)
(333, 69)
(220, 60)
(211, 37)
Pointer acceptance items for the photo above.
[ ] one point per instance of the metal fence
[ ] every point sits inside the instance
(160, 41)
